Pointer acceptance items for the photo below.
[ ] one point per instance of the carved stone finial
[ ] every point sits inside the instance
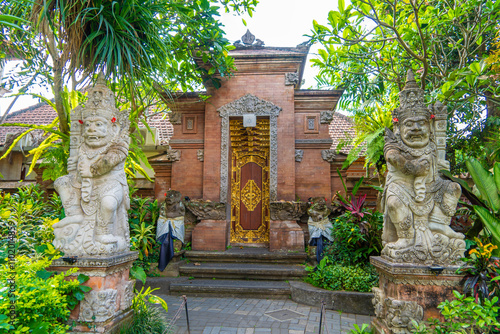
(248, 38)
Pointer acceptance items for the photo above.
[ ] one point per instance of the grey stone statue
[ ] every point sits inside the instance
(95, 192)
(418, 203)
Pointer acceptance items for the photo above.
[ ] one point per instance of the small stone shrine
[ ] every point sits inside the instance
(421, 252)
(95, 236)
(251, 154)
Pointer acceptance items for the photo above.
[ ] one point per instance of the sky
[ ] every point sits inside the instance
(276, 22)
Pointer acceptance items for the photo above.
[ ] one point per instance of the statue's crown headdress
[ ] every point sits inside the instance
(101, 101)
(412, 102)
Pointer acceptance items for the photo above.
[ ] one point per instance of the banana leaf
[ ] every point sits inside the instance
(466, 190)
(485, 183)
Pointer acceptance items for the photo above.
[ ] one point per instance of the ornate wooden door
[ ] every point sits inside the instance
(250, 182)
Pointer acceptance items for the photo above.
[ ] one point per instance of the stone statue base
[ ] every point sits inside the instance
(211, 235)
(106, 308)
(285, 235)
(409, 291)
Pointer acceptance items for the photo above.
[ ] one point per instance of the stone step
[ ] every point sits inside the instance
(254, 271)
(248, 255)
(231, 288)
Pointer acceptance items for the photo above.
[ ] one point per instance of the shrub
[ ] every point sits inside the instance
(28, 217)
(463, 315)
(147, 318)
(355, 239)
(340, 277)
(35, 300)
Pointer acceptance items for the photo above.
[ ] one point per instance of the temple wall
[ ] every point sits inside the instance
(269, 87)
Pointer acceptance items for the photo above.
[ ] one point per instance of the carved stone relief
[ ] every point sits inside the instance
(287, 210)
(175, 118)
(299, 154)
(249, 104)
(328, 155)
(98, 305)
(291, 79)
(172, 155)
(204, 210)
(326, 117)
(397, 315)
(127, 295)
(200, 155)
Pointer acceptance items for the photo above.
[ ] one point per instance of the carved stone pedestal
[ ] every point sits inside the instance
(106, 307)
(211, 235)
(285, 235)
(410, 291)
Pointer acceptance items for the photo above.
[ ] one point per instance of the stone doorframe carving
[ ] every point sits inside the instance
(249, 104)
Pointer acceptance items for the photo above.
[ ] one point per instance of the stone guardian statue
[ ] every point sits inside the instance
(95, 193)
(418, 202)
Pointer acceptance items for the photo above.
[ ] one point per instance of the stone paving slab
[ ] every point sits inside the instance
(210, 315)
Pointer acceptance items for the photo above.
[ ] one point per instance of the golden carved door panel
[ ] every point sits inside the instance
(250, 182)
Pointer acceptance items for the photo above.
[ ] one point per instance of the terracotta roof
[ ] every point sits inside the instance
(42, 114)
(341, 130)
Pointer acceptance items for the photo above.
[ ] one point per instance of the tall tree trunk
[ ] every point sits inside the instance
(58, 89)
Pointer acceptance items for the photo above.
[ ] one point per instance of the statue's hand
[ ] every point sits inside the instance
(423, 166)
(72, 161)
(84, 170)
(443, 164)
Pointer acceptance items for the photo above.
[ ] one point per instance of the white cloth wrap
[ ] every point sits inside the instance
(320, 228)
(174, 225)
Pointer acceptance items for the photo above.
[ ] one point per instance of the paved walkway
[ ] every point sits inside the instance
(209, 315)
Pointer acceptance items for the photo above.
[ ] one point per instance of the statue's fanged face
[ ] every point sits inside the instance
(415, 132)
(96, 131)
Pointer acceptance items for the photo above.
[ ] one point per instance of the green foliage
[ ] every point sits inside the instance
(339, 277)
(143, 215)
(480, 271)
(355, 239)
(463, 315)
(365, 329)
(42, 299)
(368, 46)
(147, 319)
(28, 217)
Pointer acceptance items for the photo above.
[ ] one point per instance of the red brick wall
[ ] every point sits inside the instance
(267, 87)
(312, 176)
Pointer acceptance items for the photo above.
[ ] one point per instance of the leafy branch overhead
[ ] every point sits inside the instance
(367, 47)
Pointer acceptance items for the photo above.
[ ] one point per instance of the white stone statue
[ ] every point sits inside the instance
(418, 203)
(95, 194)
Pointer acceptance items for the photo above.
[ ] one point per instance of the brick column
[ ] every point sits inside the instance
(163, 178)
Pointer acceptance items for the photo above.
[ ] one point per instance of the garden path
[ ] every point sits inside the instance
(209, 315)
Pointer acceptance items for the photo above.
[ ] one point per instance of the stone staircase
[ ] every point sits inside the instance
(237, 272)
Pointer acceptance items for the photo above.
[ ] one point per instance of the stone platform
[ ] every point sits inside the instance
(107, 306)
(410, 291)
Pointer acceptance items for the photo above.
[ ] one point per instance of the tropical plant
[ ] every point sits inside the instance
(480, 271)
(463, 315)
(42, 300)
(147, 319)
(484, 198)
(368, 46)
(335, 277)
(355, 240)
(143, 215)
(26, 219)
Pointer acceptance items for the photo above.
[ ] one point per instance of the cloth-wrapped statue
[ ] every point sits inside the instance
(170, 226)
(95, 193)
(418, 202)
(319, 225)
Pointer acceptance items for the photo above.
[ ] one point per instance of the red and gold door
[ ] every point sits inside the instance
(250, 182)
